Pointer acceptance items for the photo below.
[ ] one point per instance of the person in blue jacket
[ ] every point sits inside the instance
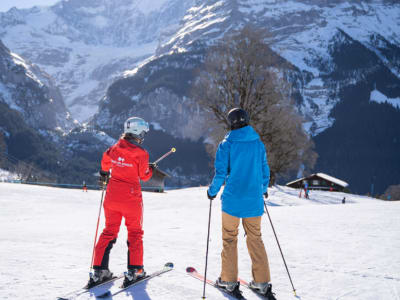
(241, 163)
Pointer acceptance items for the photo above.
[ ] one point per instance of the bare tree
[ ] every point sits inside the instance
(243, 71)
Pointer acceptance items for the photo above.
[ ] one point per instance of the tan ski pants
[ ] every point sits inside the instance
(255, 246)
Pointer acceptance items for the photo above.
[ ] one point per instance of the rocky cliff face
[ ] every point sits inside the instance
(31, 92)
(84, 45)
(37, 131)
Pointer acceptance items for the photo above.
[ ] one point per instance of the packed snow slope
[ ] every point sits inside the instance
(333, 251)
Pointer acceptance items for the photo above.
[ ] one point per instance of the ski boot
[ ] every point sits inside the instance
(99, 276)
(263, 288)
(231, 287)
(133, 275)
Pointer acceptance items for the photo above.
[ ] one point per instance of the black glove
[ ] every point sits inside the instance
(104, 177)
(266, 195)
(210, 197)
(153, 166)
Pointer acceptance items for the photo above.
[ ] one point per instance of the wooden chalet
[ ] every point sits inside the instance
(319, 181)
(156, 182)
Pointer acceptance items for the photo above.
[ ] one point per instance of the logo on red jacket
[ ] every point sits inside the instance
(120, 162)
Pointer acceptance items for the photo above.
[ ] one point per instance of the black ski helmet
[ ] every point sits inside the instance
(238, 118)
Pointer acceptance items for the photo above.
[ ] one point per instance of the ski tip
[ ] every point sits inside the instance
(190, 270)
(169, 265)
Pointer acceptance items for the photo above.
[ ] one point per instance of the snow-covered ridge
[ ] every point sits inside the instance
(27, 89)
(20, 61)
(304, 33)
(377, 96)
(84, 45)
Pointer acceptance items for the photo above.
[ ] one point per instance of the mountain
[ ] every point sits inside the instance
(343, 53)
(345, 76)
(84, 45)
(27, 89)
(37, 133)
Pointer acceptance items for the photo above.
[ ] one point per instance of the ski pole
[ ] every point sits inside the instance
(97, 227)
(208, 240)
(165, 155)
(273, 229)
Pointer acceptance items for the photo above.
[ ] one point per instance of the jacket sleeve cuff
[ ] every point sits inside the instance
(210, 193)
(265, 189)
(104, 173)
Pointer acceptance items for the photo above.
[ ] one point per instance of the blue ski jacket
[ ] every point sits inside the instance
(241, 163)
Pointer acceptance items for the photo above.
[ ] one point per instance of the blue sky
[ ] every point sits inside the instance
(7, 4)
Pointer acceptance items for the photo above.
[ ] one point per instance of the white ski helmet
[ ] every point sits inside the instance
(137, 127)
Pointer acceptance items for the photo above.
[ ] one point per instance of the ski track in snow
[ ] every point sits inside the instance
(333, 251)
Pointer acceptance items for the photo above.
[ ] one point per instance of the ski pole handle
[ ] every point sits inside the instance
(165, 155)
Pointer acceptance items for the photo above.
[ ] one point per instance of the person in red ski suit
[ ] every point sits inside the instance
(123, 165)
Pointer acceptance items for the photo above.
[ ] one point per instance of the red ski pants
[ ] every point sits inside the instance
(132, 211)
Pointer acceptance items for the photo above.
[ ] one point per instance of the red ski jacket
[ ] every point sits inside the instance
(128, 163)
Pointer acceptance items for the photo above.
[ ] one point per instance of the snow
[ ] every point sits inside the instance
(105, 138)
(8, 4)
(19, 61)
(100, 21)
(7, 97)
(6, 175)
(198, 18)
(318, 105)
(314, 38)
(93, 10)
(156, 126)
(333, 251)
(333, 179)
(80, 87)
(146, 6)
(378, 97)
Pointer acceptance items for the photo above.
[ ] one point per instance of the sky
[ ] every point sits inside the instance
(7, 4)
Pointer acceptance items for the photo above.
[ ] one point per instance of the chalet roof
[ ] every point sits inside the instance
(323, 176)
(333, 179)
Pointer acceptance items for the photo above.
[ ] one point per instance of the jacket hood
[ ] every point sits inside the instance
(244, 134)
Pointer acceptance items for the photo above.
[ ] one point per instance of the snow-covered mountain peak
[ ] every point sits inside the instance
(30, 91)
(115, 23)
(85, 44)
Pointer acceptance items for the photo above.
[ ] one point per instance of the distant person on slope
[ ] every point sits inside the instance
(84, 188)
(127, 163)
(241, 162)
(306, 190)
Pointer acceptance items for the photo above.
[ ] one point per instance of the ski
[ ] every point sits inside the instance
(167, 267)
(74, 294)
(193, 272)
(246, 284)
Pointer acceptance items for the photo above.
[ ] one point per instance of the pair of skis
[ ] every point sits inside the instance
(97, 289)
(236, 293)
(167, 267)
